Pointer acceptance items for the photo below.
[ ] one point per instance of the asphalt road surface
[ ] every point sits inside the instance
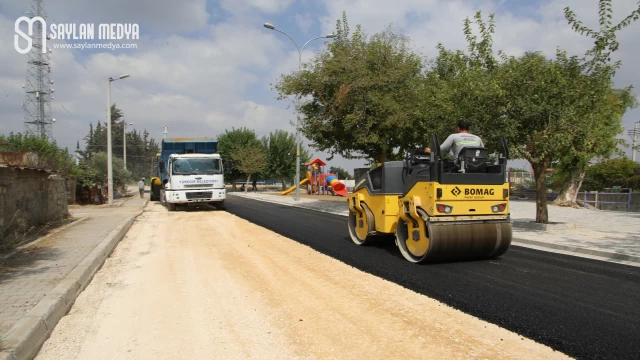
(584, 308)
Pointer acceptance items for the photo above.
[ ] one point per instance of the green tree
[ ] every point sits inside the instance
(546, 103)
(541, 106)
(464, 86)
(232, 141)
(598, 138)
(47, 153)
(281, 153)
(141, 149)
(342, 173)
(363, 94)
(121, 176)
(608, 173)
(250, 160)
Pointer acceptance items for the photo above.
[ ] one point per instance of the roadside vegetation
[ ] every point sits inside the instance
(35, 153)
(375, 98)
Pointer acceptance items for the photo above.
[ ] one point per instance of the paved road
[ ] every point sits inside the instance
(584, 308)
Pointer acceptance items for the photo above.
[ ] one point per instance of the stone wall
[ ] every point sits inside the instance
(34, 195)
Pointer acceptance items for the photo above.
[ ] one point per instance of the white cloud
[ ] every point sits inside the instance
(184, 83)
(304, 22)
(267, 6)
(157, 16)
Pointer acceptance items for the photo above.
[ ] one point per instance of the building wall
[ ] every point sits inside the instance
(34, 195)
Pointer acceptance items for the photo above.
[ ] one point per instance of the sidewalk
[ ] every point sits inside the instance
(603, 235)
(38, 283)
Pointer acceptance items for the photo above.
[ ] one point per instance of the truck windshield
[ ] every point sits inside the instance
(196, 166)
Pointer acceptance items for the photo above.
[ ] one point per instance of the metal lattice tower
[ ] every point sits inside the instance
(38, 92)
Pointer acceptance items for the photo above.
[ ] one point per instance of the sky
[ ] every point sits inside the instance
(204, 66)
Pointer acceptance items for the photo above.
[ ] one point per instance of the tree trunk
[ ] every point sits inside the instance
(233, 185)
(382, 157)
(569, 194)
(542, 213)
(246, 187)
(284, 184)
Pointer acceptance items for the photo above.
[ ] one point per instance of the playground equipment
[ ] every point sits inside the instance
(318, 182)
(336, 186)
(303, 182)
(437, 209)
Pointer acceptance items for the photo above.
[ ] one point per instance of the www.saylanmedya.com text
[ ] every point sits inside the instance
(86, 45)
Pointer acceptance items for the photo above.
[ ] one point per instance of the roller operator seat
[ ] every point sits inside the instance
(472, 160)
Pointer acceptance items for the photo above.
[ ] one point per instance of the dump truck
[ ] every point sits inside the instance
(436, 209)
(190, 172)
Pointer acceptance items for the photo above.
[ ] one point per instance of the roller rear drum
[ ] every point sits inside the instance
(452, 241)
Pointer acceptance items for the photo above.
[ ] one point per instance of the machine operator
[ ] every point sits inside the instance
(461, 139)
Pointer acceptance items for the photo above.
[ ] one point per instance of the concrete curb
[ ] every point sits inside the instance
(24, 339)
(580, 251)
(532, 225)
(601, 255)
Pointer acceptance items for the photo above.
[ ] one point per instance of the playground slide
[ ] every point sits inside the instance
(303, 182)
(337, 187)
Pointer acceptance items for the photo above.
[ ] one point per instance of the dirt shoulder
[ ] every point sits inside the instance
(211, 285)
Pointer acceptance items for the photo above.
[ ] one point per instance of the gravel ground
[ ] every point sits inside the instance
(207, 284)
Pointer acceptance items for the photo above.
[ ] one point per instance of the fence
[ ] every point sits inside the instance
(518, 179)
(610, 201)
(531, 194)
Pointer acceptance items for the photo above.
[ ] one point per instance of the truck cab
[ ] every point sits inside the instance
(190, 172)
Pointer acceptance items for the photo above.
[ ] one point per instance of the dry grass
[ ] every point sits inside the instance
(19, 232)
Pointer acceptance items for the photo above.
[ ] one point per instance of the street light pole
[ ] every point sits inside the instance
(634, 133)
(109, 150)
(298, 138)
(124, 142)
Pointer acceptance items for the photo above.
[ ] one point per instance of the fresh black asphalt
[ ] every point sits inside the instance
(584, 308)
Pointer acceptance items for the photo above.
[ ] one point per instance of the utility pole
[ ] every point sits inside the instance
(298, 136)
(124, 142)
(634, 134)
(109, 151)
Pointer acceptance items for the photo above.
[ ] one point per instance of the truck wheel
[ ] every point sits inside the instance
(171, 206)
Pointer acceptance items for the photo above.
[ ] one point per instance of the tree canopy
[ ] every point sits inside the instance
(281, 153)
(141, 148)
(614, 172)
(376, 97)
(362, 94)
(48, 155)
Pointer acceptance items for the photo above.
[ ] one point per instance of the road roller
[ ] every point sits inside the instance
(436, 209)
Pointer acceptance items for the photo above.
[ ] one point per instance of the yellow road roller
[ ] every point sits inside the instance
(437, 209)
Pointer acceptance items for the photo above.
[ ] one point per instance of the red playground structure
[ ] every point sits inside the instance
(318, 182)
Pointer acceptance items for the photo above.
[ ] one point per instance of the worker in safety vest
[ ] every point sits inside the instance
(461, 139)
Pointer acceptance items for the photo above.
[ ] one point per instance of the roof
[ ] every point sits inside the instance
(316, 161)
(21, 160)
(197, 155)
(9, 166)
(190, 139)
